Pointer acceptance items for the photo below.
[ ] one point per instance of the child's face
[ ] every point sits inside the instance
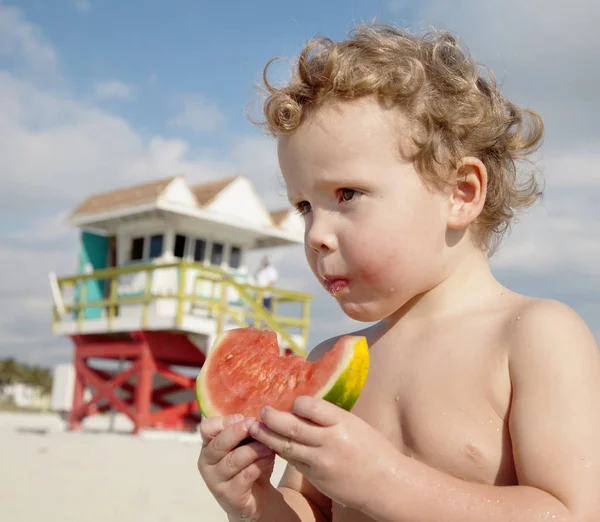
(375, 233)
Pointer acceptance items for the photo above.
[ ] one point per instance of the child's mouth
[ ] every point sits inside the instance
(334, 285)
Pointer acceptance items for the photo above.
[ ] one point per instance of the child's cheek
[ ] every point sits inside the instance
(379, 266)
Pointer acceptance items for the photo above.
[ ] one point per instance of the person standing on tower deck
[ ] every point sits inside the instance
(266, 276)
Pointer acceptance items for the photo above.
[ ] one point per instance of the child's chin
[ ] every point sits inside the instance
(362, 313)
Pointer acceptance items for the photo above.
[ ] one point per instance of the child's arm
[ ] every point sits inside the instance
(554, 365)
(304, 499)
(289, 505)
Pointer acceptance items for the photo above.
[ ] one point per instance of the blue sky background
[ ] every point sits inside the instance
(164, 50)
(97, 94)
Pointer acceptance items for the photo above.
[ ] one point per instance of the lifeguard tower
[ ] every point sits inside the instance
(162, 271)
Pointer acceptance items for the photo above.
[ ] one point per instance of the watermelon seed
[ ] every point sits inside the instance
(229, 357)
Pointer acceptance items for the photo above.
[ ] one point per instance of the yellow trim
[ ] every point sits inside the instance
(147, 298)
(112, 304)
(180, 295)
(249, 308)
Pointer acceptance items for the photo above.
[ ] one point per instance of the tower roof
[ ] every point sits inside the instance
(205, 193)
(240, 208)
(122, 198)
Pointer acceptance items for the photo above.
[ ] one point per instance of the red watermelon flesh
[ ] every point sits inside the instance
(245, 372)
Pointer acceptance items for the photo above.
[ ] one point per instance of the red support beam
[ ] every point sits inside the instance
(110, 350)
(78, 388)
(167, 390)
(104, 390)
(143, 392)
(167, 373)
(174, 414)
(150, 353)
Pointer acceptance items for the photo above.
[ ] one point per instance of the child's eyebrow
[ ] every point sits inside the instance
(326, 184)
(349, 181)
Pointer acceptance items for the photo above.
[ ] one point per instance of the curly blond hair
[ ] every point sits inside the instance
(456, 110)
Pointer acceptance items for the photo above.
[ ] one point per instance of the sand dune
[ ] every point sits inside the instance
(49, 474)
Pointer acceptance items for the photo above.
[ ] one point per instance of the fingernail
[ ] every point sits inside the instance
(238, 417)
(249, 422)
(253, 430)
(263, 412)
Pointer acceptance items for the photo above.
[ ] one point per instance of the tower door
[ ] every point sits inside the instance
(93, 255)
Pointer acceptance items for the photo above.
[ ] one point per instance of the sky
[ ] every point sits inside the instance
(99, 94)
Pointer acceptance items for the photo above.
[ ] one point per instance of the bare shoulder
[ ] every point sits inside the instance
(548, 338)
(548, 328)
(323, 347)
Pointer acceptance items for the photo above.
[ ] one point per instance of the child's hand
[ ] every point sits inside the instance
(340, 454)
(238, 477)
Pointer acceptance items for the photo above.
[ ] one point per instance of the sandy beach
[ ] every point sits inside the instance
(97, 475)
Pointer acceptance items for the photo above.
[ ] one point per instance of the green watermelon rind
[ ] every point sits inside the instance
(342, 389)
(346, 384)
(206, 406)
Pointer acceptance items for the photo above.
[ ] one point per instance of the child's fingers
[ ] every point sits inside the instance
(211, 427)
(246, 478)
(283, 446)
(226, 441)
(239, 459)
(320, 412)
(293, 427)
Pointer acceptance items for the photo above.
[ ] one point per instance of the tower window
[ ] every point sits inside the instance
(235, 257)
(200, 250)
(137, 249)
(156, 246)
(179, 250)
(216, 254)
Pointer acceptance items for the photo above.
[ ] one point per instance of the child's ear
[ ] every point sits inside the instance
(468, 194)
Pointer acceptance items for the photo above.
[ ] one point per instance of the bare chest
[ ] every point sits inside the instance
(445, 406)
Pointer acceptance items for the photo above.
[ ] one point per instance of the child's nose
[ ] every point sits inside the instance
(320, 236)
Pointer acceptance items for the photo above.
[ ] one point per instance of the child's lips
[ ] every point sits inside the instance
(334, 284)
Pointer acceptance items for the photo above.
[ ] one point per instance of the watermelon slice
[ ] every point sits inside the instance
(244, 371)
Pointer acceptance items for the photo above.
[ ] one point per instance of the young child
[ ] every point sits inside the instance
(481, 405)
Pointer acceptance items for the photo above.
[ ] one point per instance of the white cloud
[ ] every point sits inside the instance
(563, 230)
(542, 52)
(25, 44)
(26, 257)
(52, 143)
(574, 169)
(113, 89)
(198, 115)
(553, 240)
(83, 5)
(258, 156)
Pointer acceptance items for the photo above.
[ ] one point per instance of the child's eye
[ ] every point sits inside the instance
(303, 207)
(346, 194)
